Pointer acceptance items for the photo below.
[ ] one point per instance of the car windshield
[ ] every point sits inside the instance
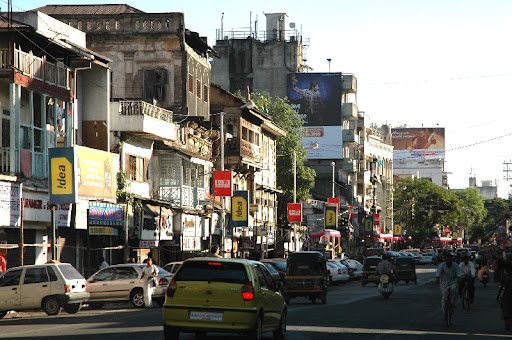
(70, 272)
(270, 268)
(212, 271)
(281, 265)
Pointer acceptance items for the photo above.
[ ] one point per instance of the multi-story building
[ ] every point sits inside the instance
(160, 121)
(46, 71)
(487, 189)
(250, 153)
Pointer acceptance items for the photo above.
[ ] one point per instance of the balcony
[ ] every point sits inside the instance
(182, 196)
(248, 151)
(142, 118)
(56, 74)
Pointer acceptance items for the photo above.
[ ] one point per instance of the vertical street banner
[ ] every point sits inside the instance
(222, 183)
(295, 212)
(62, 181)
(368, 225)
(397, 230)
(331, 216)
(240, 208)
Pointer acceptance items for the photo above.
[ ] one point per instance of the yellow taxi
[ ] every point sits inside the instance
(223, 295)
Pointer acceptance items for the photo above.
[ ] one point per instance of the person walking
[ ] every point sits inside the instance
(147, 278)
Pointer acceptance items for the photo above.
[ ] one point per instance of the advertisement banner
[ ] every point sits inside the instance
(10, 196)
(323, 142)
(62, 181)
(316, 97)
(95, 173)
(368, 225)
(222, 183)
(331, 216)
(240, 208)
(418, 143)
(295, 212)
(397, 229)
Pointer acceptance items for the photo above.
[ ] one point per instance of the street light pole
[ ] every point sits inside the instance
(333, 167)
(329, 61)
(294, 197)
(223, 203)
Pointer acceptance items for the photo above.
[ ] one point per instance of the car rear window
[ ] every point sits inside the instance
(212, 271)
(281, 265)
(69, 272)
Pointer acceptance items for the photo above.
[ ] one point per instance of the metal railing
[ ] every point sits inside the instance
(37, 68)
(280, 35)
(5, 161)
(130, 107)
(182, 196)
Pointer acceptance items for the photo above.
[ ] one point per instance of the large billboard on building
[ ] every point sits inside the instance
(418, 143)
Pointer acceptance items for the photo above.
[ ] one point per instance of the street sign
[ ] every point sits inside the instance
(368, 225)
(376, 219)
(240, 208)
(331, 216)
(397, 229)
(222, 183)
(295, 212)
(62, 188)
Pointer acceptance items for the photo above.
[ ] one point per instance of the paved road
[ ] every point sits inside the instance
(352, 312)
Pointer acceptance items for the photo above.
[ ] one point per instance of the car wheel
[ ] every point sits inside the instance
(137, 298)
(96, 305)
(257, 332)
(51, 305)
(171, 333)
(72, 308)
(280, 332)
(2, 314)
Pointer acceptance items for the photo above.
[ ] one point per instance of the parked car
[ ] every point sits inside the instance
(358, 272)
(120, 282)
(223, 295)
(335, 273)
(344, 274)
(428, 258)
(279, 264)
(172, 267)
(48, 287)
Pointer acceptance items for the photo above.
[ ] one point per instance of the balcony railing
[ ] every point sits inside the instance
(38, 68)
(5, 161)
(182, 196)
(130, 107)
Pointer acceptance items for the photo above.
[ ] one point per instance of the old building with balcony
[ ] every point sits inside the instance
(250, 153)
(160, 122)
(46, 73)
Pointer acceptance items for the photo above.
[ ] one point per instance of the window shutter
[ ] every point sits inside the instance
(149, 84)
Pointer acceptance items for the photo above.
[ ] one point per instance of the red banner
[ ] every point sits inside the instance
(222, 183)
(294, 212)
(376, 219)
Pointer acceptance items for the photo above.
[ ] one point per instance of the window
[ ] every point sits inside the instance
(11, 278)
(124, 273)
(154, 84)
(190, 83)
(35, 275)
(106, 274)
(198, 88)
(205, 93)
(137, 171)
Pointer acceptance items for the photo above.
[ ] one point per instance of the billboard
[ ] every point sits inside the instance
(96, 173)
(418, 143)
(222, 183)
(316, 97)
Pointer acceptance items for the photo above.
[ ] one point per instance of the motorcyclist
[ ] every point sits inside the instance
(447, 275)
(385, 267)
(468, 272)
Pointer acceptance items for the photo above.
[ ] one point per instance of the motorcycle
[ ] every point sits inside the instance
(385, 285)
(483, 275)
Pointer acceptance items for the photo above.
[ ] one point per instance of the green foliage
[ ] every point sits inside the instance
(123, 194)
(287, 119)
(498, 210)
(423, 207)
(473, 212)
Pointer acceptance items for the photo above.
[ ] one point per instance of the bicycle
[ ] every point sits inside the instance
(466, 296)
(448, 308)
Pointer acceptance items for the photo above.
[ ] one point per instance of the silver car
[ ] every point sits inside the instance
(120, 282)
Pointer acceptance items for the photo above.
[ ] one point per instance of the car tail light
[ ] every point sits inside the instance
(68, 288)
(86, 287)
(171, 288)
(163, 282)
(214, 264)
(248, 292)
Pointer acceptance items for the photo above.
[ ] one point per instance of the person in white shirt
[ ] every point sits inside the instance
(468, 272)
(103, 263)
(149, 273)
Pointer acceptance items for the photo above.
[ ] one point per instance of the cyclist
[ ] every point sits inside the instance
(468, 272)
(448, 273)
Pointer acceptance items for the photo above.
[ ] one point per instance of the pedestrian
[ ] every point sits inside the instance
(149, 257)
(3, 264)
(214, 252)
(103, 263)
(148, 280)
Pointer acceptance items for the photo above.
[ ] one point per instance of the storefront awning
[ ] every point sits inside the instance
(155, 210)
(332, 233)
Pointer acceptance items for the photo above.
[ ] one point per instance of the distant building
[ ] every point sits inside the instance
(487, 190)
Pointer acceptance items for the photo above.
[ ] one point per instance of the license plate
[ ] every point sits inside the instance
(207, 316)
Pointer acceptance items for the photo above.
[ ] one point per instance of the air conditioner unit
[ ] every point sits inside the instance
(349, 111)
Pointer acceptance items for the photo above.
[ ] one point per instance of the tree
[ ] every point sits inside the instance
(287, 119)
(473, 212)
(423, 207)
(498, 211)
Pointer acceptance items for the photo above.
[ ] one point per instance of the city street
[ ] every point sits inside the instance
(351, 312)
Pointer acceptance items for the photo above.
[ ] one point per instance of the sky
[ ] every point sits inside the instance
(430, 63)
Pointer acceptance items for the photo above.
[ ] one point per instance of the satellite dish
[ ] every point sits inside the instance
(292, 25)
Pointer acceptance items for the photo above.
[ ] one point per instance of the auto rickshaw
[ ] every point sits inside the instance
(370, 270)
(306, 276)
(405, 269)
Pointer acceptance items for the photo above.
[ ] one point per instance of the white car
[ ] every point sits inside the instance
(358, 271)
(428, 258)
(342, 270)
(47, 286)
